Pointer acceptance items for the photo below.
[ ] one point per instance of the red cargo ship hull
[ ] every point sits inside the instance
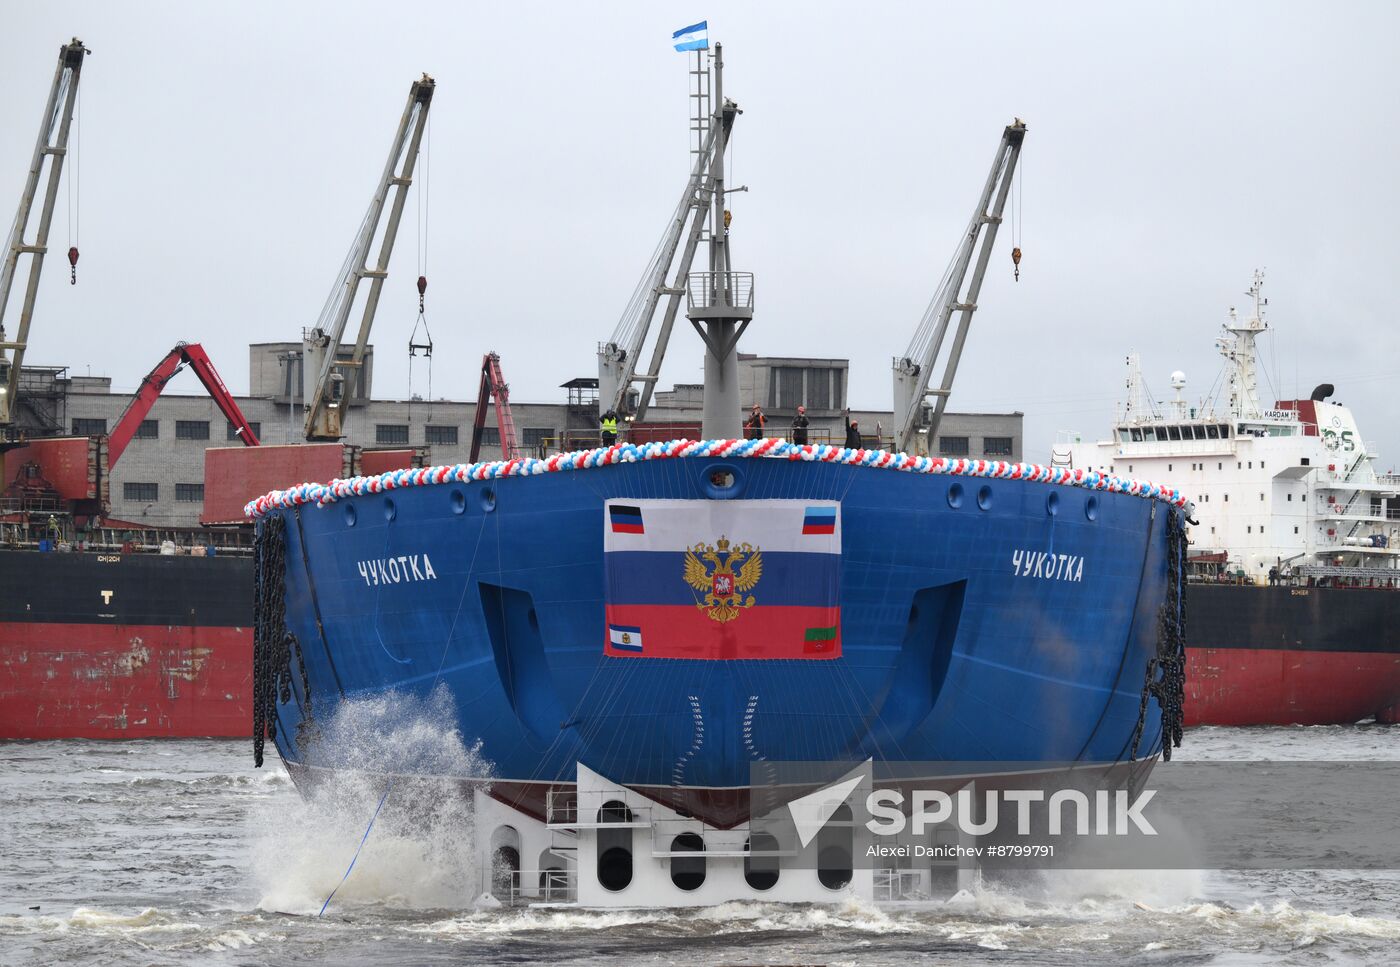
(1291, 656)
(144, 646)
(124, 646)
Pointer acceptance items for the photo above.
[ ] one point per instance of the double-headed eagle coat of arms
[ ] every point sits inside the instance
(724, 575)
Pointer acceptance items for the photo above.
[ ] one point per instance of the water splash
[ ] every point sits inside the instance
(422, 851)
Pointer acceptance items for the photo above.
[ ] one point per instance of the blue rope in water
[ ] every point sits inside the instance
(363, 840)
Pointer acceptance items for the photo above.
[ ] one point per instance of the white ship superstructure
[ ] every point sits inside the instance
(1291, 490)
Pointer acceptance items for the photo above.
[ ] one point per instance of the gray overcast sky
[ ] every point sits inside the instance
(228, 155)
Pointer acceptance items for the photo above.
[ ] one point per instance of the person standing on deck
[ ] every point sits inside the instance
(799, 426)
(853, 435)
(753, 426)
(607, 428)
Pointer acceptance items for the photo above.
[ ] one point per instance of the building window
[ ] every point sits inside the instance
(491, 436)
(818, 388)
(532, 437)
(89, 427)
(440, 435)
(148, 492)
(191, 429)
(996, 446)
(953, 446)
(148, 430)
(191, 493)
(253, 425)
(391, 433)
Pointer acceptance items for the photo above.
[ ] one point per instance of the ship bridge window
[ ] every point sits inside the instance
(1124, 436)
(1174, 433)
(1199, 432)
(1161, 433)
(1137, 435)
(1212, 432)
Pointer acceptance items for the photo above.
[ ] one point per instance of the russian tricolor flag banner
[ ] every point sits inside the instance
(694, 37)
(722, 579)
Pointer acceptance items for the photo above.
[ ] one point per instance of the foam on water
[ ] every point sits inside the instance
(420, 853)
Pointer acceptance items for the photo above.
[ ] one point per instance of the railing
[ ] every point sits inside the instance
(1339, 510)
(543, 886)
(600, 809)
(715, 290)
(893, 884)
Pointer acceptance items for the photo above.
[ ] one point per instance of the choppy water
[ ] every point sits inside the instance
(178, 852)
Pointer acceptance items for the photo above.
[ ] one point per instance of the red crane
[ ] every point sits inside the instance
(190, 354)
(493, 385)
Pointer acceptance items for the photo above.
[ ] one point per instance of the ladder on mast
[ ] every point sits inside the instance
(52, 143)
(325, 403)
(913, 371)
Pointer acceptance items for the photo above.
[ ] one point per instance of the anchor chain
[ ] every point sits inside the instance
(273, 643)
(1165, 679)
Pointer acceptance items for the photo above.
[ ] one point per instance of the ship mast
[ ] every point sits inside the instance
(1239, 352)
(720, 301)
(623, 386)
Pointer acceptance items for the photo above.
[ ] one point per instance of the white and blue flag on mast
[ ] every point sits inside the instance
(694, 37)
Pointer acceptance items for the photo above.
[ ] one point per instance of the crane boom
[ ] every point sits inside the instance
(618, 358)
(324, 406)
(184, 354)
(52, 142)
(494, 387)
(914, 370)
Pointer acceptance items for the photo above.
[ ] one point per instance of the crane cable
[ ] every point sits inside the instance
(414, 346)
(1017, 201)
(75, 195)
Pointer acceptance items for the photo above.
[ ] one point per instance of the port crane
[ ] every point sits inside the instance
(321, 351)
(52, 144)
(913, 372)
(184, 354)
(494, 387)
(618, 358)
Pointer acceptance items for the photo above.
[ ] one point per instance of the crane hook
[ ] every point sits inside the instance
(422, 288)
(1016, 261)
(73, 265)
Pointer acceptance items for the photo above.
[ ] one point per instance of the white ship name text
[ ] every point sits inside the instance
(395, 570)
(1048, 565)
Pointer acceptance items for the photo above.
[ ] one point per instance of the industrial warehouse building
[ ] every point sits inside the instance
(159, 481)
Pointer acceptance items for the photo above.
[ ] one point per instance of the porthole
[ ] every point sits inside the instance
(390, 511)
(1052, 504)
(1091, 508)
(458, 502)
(350, 515)
(488, 500)
(955, 496)
(688, 872)
(984, 498)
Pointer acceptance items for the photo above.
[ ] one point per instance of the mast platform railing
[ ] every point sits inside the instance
(719, 290)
